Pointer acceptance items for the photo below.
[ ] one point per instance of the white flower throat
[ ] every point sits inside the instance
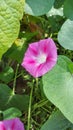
(41, 58)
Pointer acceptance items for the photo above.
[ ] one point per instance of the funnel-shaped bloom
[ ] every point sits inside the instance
(40, 57)
(12, 124)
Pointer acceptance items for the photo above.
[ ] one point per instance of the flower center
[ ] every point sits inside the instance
(41, 58)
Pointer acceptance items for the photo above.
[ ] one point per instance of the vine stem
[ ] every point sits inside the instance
(36, 83)
(14, 83)
(30, 103)
(29, 109)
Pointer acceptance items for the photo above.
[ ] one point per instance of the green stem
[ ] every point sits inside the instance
(36, 83)
(17, 76)
(14, 83)
(29, 109)
(30, 104)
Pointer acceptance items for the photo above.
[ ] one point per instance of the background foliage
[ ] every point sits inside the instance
(23, 22)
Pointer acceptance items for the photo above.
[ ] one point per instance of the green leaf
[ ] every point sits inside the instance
(58, 87)
(58, 3)
(7, 74)
(17, 48)
(70, 66)
(11, 113)
(8, 99)
(38, 7)
(57, 122)
(68, 9)
(11, 12)
(65, 35)
(64, 62)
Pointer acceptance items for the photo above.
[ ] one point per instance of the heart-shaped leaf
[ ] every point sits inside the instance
(58, 87)
(11, 12)
(8, 99)
(38, 7)
(65, 35)
(57, 122)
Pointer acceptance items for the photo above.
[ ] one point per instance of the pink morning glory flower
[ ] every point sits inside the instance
(12, 124)
(40, 57)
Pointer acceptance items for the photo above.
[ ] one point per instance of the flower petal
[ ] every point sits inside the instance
(33, 49)
(2, 126)
(12, 124)
(33, 60)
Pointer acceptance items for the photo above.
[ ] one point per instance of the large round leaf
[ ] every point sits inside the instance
(11, 12)
(68, 9)
(65, 36)
(58, 87)
(38, 7)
